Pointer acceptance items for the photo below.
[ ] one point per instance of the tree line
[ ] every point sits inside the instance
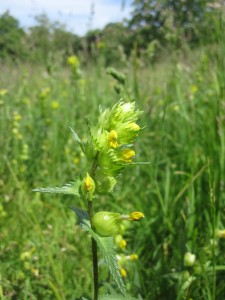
(153, 26)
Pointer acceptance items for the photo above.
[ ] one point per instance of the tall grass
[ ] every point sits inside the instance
(43, 254)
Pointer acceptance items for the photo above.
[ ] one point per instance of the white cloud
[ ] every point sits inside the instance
(75, 14)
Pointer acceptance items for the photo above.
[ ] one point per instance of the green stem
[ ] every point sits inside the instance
(93, 242)
(94, 254)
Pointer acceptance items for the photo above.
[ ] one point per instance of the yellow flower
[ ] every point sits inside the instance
(73, 61)
(133, 257)
(221, 234)
(76, 160)
(55, 104)
(134, 126)
(88, 186)
(128, 154)
(112, 138)
(123, 272)
(123, 244)
(17, 117)
(194, 89)
(3, 92)
(44, 93)
(135, 216)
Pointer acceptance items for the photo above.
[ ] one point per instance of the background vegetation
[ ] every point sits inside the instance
(172, 53)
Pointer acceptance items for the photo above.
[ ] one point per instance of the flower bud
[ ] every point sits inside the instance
(106, 223)
(88, 187)
(189, 259)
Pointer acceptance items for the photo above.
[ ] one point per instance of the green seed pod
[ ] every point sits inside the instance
(88, 187)
(106, 223)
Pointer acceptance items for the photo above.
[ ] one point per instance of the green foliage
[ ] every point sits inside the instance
(181, 192)
(11, 37)
(106, 247)
(71, 188)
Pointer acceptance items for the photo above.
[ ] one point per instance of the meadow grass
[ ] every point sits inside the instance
(43, 254)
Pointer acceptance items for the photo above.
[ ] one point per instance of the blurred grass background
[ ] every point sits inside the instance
(43, 254)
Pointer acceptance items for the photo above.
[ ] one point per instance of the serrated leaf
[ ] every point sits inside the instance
(106, 247)
(71, 188)
(85, 146)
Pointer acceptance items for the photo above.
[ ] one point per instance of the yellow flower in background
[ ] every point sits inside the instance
(44, 93)
(221, 234)
(133, 257)
(3, 92)
(16, 116)
(193, 89)
(73, 60)
(120, 242)
(123, 272)
(123, 244)
(55, 105)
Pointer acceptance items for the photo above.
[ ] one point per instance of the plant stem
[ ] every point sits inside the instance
(94, 254)
(93, 242)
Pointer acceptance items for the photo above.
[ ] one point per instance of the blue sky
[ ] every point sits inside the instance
(75, 14)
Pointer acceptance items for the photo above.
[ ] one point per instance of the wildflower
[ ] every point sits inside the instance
(76, 160)
(73, 61)
(44, 93)
(123, 272)
(16, 116)
(134, 126)
(108, 223)
(3, 92)
(112, 138)
(120, 242)
(127, 155)
(189, 259)
(55, 104)
(35, 272)
(135, 216)
(221, 234)
(133, 257)
(88, 187)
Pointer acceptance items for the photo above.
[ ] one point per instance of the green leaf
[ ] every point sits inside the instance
(81, 214)
(106, 247)
(71, 188)
(85, 146)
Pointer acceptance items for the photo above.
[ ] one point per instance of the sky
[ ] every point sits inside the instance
(75, 14)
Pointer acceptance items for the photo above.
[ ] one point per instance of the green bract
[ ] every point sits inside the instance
(106, 223)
